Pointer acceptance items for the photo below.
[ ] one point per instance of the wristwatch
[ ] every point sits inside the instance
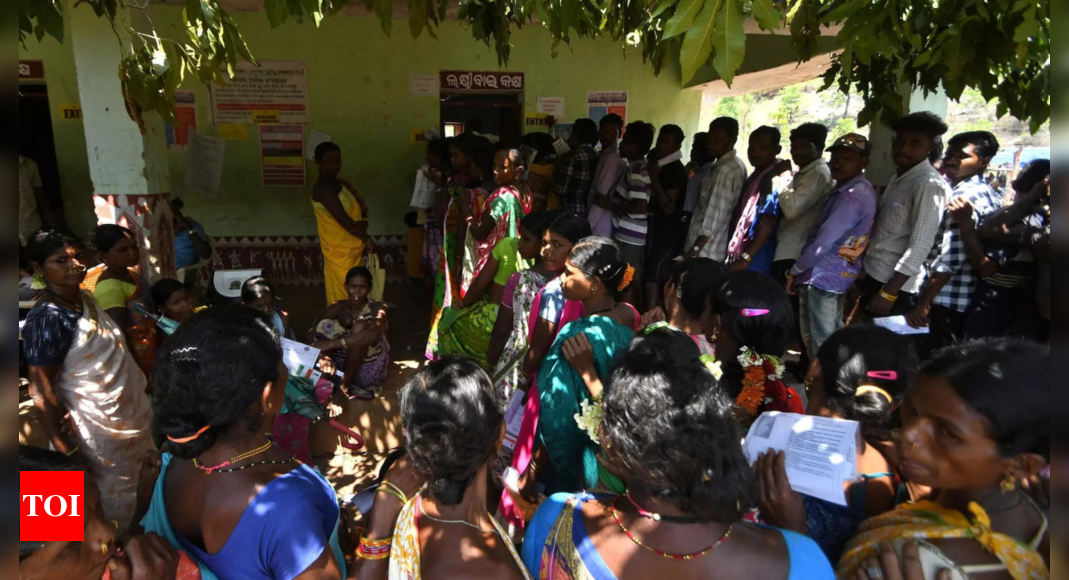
(747, 257)
(697, 249)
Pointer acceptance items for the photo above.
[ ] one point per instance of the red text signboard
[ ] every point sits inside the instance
(31, 70)
(52, 506)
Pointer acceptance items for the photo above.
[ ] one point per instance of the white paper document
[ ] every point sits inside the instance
(204, 164)
(821, 453)
(677, 156)
(300, 359)
(423, 195)
(898, 325)
(514, 420)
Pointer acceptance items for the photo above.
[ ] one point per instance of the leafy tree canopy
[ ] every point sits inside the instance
(999, 47)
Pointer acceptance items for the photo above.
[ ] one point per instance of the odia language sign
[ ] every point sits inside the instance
(473, 81)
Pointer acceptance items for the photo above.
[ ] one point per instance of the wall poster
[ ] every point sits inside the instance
(282, 155)
(274, 91)
(602, 103)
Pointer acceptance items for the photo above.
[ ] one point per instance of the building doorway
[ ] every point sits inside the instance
(493, 100)
(37, 142)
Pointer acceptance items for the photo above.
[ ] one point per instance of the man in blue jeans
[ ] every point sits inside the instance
(829, 264)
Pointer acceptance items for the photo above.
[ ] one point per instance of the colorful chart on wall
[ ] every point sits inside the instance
(603, 103)
(282, 155)
(185, 114)
(273, 92)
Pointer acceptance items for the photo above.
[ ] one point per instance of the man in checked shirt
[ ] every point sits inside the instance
(910, 215)
(952, 277)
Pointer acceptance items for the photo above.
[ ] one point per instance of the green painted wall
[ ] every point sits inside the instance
(360, 95)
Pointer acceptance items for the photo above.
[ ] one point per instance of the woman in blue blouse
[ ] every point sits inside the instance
(237, 504)
(672, 437)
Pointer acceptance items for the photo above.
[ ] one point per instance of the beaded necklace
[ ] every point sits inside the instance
(258, 464)
(667, 556)
(238, 459)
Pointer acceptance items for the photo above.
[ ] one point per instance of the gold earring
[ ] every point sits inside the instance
(1009, 485)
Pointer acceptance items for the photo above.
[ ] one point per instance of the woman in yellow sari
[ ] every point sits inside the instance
(341, 214)
(976, 423)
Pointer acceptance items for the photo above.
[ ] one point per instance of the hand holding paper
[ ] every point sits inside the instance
(820, 455)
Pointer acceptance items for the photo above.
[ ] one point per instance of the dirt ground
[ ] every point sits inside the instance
(377, 421)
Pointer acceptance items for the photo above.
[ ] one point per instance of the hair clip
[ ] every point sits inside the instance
(866, 389)
(755, 312)
(884, 375)
(188, 354)
(655, 327)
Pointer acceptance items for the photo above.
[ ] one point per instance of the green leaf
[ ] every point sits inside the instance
(683, 19)
(698, 43)
(1028, 28)
(664, 5)
(417, 16)
(729, 38)
(767, 15)
(277, 12)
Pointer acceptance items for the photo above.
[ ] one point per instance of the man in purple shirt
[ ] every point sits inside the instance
(828, 268)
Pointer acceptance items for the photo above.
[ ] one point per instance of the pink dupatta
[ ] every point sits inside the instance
(746, 213)
(525, 444)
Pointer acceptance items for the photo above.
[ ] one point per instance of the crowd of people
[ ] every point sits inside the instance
(606, 328)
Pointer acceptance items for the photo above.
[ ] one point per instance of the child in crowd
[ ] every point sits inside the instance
(259, 293)
(630, 202)
(753, 244)
(860, 374)
(416, 239)
(823, 275)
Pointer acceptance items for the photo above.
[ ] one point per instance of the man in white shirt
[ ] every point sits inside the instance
(32, 201)
(721, 190)
(911, 212)
(802, 202)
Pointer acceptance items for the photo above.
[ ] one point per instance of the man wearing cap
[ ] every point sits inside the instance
(827, 268)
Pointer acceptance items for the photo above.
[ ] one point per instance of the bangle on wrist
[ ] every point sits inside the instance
(74, 451)
(888, 297)
(374, 549)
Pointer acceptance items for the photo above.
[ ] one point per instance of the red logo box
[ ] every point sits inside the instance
(52, 506)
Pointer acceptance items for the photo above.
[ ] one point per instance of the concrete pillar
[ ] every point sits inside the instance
(127, 162)
(882, 168)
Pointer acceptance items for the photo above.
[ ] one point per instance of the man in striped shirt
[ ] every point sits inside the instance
(630, 203)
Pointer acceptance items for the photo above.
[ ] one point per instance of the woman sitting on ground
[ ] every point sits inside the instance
(83, 380)
(861, 374)
(453, 428)
(353, 340)
(672, 435)
(692, 281)
(976, 423)
(236, 503)
(596, 275)
(116, 286)
(100, 554)
(750, 323)
(259, 293)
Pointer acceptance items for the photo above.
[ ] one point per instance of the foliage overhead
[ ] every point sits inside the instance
(1000, 47)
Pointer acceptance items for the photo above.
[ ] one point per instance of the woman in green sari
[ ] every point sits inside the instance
(595, 274)
(495, 254)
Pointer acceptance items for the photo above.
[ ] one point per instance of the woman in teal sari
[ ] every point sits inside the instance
(595, 275)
